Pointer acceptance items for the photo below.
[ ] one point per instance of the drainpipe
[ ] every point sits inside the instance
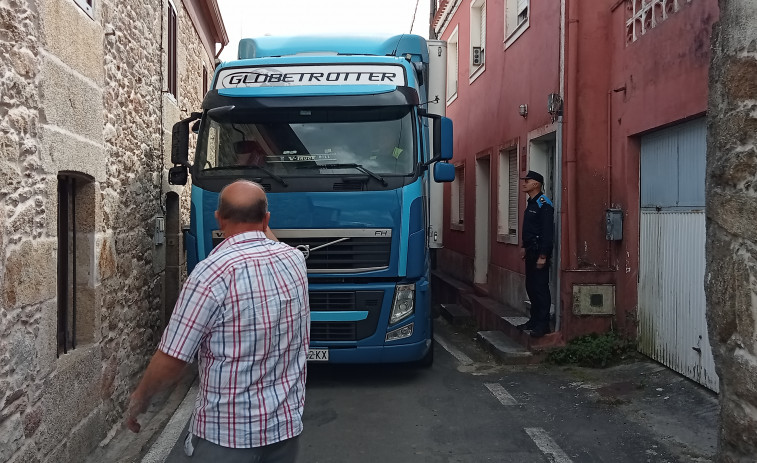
(570, 153)
(559, 176)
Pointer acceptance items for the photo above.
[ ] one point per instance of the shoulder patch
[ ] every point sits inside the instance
(544, 200)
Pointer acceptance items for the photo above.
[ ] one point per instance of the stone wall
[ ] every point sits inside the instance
(731, 276)
(83, 95)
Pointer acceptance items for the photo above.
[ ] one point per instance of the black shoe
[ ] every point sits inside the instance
(539, 333)
(525, 326)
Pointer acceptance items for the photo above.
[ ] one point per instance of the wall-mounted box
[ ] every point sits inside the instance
(614, 224)
(594, 299)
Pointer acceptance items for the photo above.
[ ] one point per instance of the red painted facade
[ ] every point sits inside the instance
(613, 91)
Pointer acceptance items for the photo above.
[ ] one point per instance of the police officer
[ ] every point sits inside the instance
(537, 234)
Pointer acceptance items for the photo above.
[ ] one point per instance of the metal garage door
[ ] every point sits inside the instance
(672, 324)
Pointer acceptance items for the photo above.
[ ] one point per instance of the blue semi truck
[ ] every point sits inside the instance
(348, 138)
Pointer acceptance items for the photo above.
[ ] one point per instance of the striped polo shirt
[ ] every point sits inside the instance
(244, 312)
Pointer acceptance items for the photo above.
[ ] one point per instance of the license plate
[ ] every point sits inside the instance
(318, 355)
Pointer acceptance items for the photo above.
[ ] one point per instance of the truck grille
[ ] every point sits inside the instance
(333, 331)
(341, 251)
(334, 301)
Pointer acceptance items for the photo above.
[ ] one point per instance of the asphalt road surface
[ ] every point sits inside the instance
(470, 408)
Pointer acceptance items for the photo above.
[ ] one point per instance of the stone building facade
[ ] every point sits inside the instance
(731, 277)
(87, 271)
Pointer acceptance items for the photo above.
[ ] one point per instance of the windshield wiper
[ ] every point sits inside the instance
(267, 171)
(349, 165)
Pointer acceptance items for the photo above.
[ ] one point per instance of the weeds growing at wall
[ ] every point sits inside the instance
(593, 350)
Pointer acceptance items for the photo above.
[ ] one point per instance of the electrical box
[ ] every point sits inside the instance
(159, 234)
(478, 56)
(594, 299)
(614, 224)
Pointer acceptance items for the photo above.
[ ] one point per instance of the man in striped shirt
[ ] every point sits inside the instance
(244, 312)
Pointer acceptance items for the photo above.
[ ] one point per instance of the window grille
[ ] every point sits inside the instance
(644, 15)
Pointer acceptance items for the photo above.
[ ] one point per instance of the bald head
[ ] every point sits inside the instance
(243, 202)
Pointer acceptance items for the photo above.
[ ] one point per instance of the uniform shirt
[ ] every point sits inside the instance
(539, 225)
(244, 310)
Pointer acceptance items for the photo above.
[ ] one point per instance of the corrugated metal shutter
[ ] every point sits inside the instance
(672, 323)
(461, 195)
(512, 215)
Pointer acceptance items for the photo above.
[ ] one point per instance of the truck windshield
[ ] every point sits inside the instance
(308, 142)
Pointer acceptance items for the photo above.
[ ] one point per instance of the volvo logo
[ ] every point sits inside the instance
(304, 249)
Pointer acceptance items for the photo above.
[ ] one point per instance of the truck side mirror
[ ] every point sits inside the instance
(443, 138)
(180, 140)
(180, 143)
(444, 172)
(178, 175)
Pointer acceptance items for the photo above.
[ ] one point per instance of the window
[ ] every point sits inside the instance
(458, 199)
(516, 19)
(507, 196)
(452, 69)
(477, 35)
(87, 5)
(76, 227)
(204, 81)
(641, 16)
(172, 65)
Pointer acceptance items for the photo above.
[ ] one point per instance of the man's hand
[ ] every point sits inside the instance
(523, 253)
(137, 406)
(541, 261)
(161, 373)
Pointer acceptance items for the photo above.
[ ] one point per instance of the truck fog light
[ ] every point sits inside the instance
(404, 303)
(400, 333)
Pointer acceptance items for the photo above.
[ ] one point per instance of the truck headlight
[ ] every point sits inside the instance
(404, 303)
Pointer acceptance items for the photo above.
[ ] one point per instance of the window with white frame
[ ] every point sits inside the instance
(88, 6)
(516, 16)
(507, 196)
(452, 71)
(457, 203)
(477, 34)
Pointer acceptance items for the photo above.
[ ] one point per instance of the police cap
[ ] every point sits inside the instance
(531, 175)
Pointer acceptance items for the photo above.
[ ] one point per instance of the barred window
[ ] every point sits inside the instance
(76, 228)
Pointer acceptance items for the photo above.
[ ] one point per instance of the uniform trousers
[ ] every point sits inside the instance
(537, 288)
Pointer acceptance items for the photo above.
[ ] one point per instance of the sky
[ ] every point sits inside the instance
(255, 18)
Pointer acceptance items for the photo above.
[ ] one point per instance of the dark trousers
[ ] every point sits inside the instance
(281, 452)
(537, 288)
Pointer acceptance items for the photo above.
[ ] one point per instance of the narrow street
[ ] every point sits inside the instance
(470, 408)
